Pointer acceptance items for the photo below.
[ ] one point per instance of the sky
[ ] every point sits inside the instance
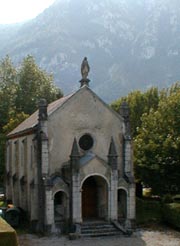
(14, 11)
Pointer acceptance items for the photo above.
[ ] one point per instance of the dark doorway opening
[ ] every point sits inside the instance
(94, 198)
(122, 204)
(89, 199)
(60, 206)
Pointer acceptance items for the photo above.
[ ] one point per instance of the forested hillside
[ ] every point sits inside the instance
(129, 44)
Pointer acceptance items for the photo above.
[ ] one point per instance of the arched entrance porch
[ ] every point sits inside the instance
(60, 207)
(94, 198)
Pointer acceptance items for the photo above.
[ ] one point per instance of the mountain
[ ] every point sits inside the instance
(130, 44)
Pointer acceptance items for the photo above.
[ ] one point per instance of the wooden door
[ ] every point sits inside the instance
(89, 199)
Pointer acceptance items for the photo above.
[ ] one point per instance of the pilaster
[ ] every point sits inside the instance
(113, 195)
(43, 164)
(49, 207)
(76, 199)
(75, 194)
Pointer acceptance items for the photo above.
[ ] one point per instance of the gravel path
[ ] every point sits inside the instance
(142, 237)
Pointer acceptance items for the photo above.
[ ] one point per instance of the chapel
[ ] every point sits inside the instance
(70, 163)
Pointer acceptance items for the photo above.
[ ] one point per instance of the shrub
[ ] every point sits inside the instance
(148, 211)
(171, 214)
(167, 199)
(176, 198)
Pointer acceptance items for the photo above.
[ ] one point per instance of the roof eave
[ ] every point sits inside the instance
(23, 133)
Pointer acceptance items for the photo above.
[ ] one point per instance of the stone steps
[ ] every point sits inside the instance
(98, 229)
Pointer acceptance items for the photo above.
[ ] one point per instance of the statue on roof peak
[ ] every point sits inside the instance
(85, 68)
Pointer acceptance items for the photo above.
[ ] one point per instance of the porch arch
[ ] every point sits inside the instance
(60, 206)
(94, 198)
(122, 204)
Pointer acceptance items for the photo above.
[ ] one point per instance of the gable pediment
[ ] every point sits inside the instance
(91, 163)
(82, 103)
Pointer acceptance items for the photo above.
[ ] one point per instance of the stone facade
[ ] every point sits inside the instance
(71, 161)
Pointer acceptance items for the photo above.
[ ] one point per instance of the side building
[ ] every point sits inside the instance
(71, 162)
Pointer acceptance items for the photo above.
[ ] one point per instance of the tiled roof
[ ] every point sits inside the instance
(32, 120)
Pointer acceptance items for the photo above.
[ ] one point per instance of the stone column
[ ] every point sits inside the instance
(127, 155)
(128, 164)
(43, 165)
(132, 200)
(76, 199)
(113, 196)
(112, 161)
(131, 208)
(75, 193)
(49, 209)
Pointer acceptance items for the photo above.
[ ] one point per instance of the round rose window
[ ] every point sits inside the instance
(86, 142)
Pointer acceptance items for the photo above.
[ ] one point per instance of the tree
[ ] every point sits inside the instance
(155, 125)
(2, 157)
(33, 84)
(157, 145)
(8, 86)
(14, 122)
(20, 91)
(139, 104)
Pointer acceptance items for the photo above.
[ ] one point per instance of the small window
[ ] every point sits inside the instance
(86, 142)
